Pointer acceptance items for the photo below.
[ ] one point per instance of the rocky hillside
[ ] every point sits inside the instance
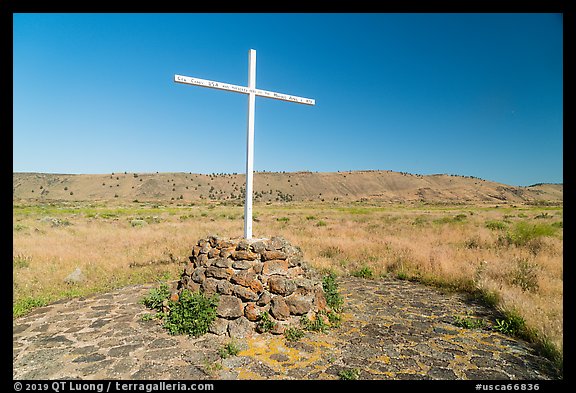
(276, 187)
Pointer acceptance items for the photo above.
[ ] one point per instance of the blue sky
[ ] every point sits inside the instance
(467, 94)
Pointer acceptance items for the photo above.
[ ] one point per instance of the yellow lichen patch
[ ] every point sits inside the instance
(347, 316)
(497, 342)
(461, 361)
(243, 373)
(274, 352)
(383, 359)
(353, 330)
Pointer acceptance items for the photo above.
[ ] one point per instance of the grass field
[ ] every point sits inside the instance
(512, 256)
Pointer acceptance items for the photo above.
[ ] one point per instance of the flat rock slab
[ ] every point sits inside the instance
(391, 329)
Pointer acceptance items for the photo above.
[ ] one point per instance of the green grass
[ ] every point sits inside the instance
(557, 224)
(357, 210)
(513, 227)
(419, 221)
(191, 314)
(490, 298)
(349, 374)
(333, 297)
(265, 324)
(524, 232)
(364, 272)
(25, 305)
(21, 261)
(316, 325)
(230, 349)
(150, 317)
(334, 318)
(525, 275)
(19, 227)
(331, 252)
(326, 320)
(91, 211)
(293, 334)
(450, 219)
(513, 325)
(496, 225)
(156, 297)
(469, 322)
(138, 223)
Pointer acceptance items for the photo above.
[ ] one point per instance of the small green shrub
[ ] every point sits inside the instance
(525, 275)
(450, 220)
(364, 272)
(512, 325)
(333, 297)
(469, 322)
(150, 317)
(334, 318)
(321, 223)
(24, 306)
(490, 298)
(350, 374)
(107, 215)
(524, 232)
(473, 243)
(230, 349)
(56, 222)
(293, 334)
(21, 261)
(138, 223)
(542, 215)
(495, 225)
(191, 314)
(419, 221)
(265, 324)
(156, 297)
(324, 320)
(316, 325)
(549, 350)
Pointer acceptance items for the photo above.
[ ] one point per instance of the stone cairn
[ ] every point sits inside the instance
(253, 277)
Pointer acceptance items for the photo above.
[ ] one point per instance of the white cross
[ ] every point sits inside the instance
(252, 92)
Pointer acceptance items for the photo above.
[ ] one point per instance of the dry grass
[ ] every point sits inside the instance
(515, 254)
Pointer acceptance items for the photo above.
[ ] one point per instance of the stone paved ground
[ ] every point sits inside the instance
(391, 329)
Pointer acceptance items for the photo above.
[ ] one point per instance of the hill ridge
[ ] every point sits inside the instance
(270, 187)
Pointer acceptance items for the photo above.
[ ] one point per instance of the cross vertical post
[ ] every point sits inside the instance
(250, 144)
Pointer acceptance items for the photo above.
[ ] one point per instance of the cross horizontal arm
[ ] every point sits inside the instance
(188, 80)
